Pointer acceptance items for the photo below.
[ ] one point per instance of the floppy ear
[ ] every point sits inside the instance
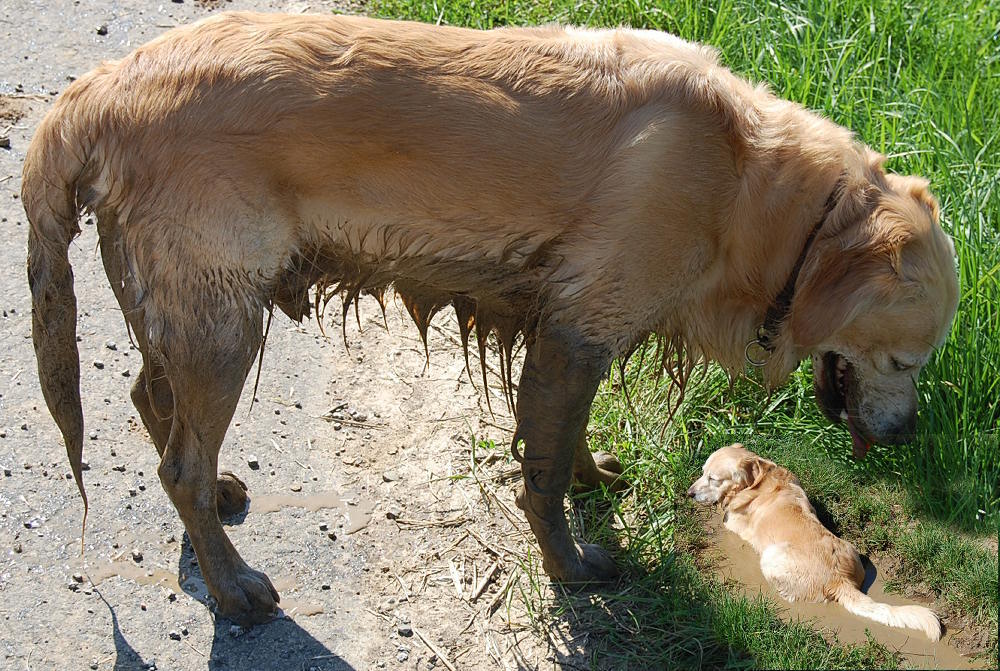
(752, 470)
(837, 285)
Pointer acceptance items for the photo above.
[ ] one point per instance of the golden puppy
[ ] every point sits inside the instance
(766, 507)
(579, 190)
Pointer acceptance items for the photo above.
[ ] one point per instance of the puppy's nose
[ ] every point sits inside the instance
(691, 491)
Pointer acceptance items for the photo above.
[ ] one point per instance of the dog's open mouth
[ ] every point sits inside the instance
(833, 385)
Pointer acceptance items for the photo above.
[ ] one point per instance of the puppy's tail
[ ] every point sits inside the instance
(909, 617)
(52, 168)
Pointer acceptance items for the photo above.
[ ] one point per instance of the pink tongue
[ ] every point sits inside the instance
(860, 445)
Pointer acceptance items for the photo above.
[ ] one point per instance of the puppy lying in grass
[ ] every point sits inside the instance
(766, 506)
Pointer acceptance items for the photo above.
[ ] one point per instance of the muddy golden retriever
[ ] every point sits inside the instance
(766, 506)
(573, 190)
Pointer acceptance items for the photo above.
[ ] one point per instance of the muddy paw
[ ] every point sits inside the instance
(593, 564)
(230, 495)
(606, 470)
(247, 598)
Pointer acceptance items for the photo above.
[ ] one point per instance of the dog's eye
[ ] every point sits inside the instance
(898, 365)
(712, 478)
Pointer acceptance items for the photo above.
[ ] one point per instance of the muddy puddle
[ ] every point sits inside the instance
(357, 511)
(736, 560)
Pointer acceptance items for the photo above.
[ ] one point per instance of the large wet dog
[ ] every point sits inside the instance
(579, 189)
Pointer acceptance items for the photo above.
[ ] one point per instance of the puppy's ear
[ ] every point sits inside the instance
(751, 471)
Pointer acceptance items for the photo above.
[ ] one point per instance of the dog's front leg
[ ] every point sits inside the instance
(558, 383)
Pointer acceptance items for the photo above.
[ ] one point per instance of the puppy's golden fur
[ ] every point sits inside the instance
(578, 189)
(766, 506)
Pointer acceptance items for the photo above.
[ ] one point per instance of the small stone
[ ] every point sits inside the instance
(323, 527)
(184, 631)
(388, 477)
(142, 606)
(393, 513)
(171, 597)
(253, 463)
(404, 630)
(136, 556)
(332, 536)
(6, 472)
(93, 664)
(118, 467)
(98, 364)
(174, 635)
(132, 492)
(84, 466)
(170, 539)
(77, 577)
(402, 656)
(93, 435)
(102, 29)
(296, 487)
(126, 373)
(111, 345)
(18, 548)
(324, 587)
(4, 142)
(24, 427)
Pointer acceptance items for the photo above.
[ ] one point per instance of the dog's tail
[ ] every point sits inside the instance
(52, 170)
(909, 617)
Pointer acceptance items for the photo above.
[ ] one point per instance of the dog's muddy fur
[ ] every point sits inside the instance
(571, 191)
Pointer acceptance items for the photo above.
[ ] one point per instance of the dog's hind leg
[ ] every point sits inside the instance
(557, 386)
(592, 469)
(151, 393)
(207, 361)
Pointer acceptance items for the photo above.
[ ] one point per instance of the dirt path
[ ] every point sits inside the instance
(359, 589)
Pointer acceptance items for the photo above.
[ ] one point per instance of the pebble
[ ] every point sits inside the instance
(393, 513)
(323, 527)
(126, 373)
(332, 536)
(133, 492)
(402, 656)
(18, 548)
(98, 364)
(136, 556)
(111, 345)
(253, 463)
(77, 577)
(93, 435)
(118, 467)
(6, 472)
(404, 630)
(296, 487)
(184, 631)
(4, 142)
(142, 606)
(93, 664)
(174, 635)
(324, 587)
(102, 29)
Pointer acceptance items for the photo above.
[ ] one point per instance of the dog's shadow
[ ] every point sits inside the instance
(279, 644)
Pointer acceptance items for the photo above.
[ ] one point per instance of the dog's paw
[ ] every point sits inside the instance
(591, 564)
(230, 495)
(248, 598)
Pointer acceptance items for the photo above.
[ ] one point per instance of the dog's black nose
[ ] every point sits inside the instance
(691, 492)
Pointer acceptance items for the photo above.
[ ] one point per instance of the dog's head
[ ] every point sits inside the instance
(876, 295)
(728, 471)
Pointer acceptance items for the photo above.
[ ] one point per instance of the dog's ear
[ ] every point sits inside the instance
(750, 471)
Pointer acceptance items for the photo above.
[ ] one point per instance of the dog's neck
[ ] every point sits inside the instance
(760, 348)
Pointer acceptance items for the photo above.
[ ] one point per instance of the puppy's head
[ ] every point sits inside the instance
(876, 296)
(727, 472)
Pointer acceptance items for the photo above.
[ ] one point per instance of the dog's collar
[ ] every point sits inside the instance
(758, 351)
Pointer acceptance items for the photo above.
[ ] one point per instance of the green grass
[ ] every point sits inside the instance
(918, 80)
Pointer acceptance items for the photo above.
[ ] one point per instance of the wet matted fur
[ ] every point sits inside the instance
(577, 189)
(766, 506)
